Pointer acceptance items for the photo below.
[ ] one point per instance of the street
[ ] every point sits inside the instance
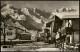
(36, 46)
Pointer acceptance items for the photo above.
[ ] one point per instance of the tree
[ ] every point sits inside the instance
(4, 19)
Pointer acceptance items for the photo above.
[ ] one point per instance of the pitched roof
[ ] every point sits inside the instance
(64, 15)
(70, 16)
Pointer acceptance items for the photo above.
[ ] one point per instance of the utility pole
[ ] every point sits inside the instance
(4, 32)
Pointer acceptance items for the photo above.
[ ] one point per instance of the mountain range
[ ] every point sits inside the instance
(30, 18)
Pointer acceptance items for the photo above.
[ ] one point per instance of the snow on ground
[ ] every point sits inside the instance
(48, 49)
(28, 49)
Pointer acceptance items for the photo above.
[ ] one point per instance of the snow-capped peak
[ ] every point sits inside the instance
(25, 10)
(65, 10)
(34, 10)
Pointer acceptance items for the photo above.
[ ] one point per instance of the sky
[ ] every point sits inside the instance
(45, 5)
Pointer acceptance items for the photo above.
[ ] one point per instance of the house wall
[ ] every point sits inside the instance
(7, 35)
(10, 36)
(33, 34)
(76, 36)
(75, 24)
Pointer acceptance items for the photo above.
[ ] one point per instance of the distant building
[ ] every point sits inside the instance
(13, 32)
(53, 26)
(33, 34)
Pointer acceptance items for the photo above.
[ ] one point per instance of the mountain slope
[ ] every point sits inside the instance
(30, 18)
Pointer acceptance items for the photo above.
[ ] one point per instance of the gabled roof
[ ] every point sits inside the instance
(66, 15)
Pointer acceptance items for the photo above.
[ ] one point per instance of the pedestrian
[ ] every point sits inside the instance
(49, 40)
(55, 41)
(38, 37)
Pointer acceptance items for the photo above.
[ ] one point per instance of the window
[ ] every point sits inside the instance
(9, 33)
(68, 23)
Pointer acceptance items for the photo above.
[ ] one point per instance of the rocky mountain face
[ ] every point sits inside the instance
(65, 10)
(30, 18)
